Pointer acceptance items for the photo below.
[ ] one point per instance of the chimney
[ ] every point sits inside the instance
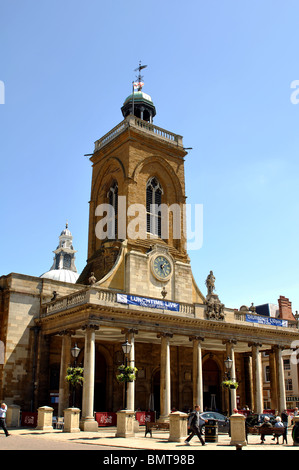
(285, 309)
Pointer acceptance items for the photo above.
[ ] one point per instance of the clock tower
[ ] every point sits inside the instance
(137, 240)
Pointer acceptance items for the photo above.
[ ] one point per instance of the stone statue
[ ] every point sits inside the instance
(215, 308)
(92, 280)
(210, 283)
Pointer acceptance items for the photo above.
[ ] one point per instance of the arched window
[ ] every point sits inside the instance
(112, 196)
(154, 193)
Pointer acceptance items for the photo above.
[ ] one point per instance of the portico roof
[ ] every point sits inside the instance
(100, 307)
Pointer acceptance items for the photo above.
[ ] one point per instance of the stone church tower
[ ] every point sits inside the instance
(138, 168)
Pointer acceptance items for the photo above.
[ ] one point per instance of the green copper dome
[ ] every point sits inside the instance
(140, 104)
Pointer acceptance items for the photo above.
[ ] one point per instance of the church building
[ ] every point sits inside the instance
(137, 286)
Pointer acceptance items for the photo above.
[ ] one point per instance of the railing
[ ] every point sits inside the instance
(132, 121)
(97, 296)
(65, 302)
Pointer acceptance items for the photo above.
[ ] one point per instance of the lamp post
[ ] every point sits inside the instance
(75, 351)
(126, 347)
(228, 365)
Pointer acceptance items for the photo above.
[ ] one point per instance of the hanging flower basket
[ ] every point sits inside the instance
(232, 384)
(126, 374)
(75, 376)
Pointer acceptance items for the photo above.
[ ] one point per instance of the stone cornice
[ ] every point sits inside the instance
(143, 319)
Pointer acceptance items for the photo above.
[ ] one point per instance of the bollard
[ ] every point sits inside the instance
(237, 430)
(44, 418)
(295, 431)
(13, 416)
(178, 427)
(71, 420)
(125, 423)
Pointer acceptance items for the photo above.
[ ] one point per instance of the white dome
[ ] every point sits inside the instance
(63, 275)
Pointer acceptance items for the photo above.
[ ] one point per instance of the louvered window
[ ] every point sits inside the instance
(112, 196)
(153, 201)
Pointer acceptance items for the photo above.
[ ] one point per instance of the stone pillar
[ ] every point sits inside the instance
(88, 422)
(178, 430)
(248, 381)
(65, 360)
(131, 363)
(165, 379)
(197, 371)
(71, 420)
(273, 380)
(13, 416)
(230, 352)
(257, 377)
(125, 424)
(237, 430)
(45, 418)
(281, 393)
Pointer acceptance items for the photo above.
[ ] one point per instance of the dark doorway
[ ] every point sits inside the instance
(100, 383)
(156, 392)
(211, 385)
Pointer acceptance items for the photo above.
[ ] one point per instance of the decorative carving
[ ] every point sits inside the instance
(215, 309)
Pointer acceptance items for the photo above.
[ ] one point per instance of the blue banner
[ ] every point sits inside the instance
(146, 302)
(266, 320)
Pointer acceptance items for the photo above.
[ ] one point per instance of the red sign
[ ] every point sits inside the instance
(29, 419)
(145, 417)
(105, 418)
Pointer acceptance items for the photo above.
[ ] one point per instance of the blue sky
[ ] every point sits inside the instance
(219, 73)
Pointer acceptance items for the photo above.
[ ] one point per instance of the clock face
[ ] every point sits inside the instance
(161, 267)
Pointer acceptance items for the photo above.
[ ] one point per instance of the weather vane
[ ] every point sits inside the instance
(139, 83)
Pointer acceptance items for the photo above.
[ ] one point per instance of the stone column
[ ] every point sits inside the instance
(230, 352)
(88, 422)
(65, 360)
(197, 371)
(131, 363)
(165, 379)
(248, 381)
(281, 393)
(257, 377)
(273, 380)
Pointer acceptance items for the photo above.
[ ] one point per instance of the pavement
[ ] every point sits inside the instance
(104, 439)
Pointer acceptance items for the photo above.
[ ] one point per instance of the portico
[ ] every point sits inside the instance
(180, 343)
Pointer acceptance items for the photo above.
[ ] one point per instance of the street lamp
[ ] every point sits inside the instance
(228, 365)
(75, 351)
(126, 347)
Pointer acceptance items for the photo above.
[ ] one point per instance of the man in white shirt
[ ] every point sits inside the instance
(3, 410)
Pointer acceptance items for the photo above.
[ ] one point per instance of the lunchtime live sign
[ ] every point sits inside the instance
(147, 302)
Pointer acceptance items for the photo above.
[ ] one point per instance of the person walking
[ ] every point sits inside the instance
(3, 410)
(196, 423)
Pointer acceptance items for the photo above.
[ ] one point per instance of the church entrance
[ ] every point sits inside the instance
(211, 386)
